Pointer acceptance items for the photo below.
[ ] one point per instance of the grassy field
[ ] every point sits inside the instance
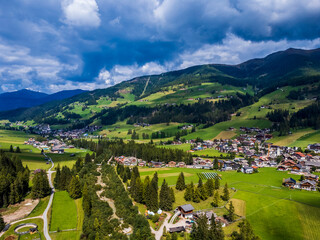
(307, 139)
(292, 138)
(39, 209)
(275, 212)
(64, 212)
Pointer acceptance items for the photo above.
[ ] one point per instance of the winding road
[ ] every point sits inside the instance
(45, 213)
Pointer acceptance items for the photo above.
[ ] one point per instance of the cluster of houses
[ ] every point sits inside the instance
(54, 146)
(309, 182)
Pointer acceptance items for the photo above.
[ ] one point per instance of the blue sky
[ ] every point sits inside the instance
(54, 45)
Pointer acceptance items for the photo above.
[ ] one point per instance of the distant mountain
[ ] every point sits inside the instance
(292, 67)
(26, 98)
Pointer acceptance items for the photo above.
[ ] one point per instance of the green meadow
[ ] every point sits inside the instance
(275, 212)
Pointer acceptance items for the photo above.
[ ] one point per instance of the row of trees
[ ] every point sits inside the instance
(147, 192)
(67, 179)
(147, 152)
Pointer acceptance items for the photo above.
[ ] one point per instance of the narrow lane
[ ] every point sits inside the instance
(45, 213)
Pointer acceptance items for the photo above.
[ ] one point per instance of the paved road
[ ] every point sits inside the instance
(45, 213)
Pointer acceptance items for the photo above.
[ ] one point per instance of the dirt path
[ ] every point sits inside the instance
(25, 208)
(102, 198)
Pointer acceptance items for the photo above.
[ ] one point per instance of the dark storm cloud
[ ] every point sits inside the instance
(54, 45)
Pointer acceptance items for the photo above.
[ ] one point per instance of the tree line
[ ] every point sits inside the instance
(147, 152)
(306, 117)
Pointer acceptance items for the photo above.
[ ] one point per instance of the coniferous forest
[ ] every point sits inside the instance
(14, 180)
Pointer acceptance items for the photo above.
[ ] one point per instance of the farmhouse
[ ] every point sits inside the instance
(308, 185)
(186, 210)
(289, 182)
(172, 164)
(247, 170)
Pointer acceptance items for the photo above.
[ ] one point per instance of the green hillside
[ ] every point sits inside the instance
(211, 97)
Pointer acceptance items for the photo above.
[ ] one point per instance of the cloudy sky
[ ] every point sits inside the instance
(54, 45)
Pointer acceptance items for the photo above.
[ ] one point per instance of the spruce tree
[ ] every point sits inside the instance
(196, 196)
(172, 196)
(154, 203)
(200, 230)
(57, 178)
(165, 195)
(231, 215)
(87, 158)
(215, 163)
(75, 188)
(138, 193)
(216, 199)
(146, 191)
(11, 148)
(18, 150)
(86, 201)
(202, 190)
(226, 193)
(188, 194)
(215, 232)
(181, 182)
(217, 183)
(209, 187)
(40, 187)
(2, 223)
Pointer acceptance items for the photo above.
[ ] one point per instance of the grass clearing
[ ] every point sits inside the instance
(290, 139)
(239, 206)
(307, 139)
(39, 209)
(225, 135)
(64, 212)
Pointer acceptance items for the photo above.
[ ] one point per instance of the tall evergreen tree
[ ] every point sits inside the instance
(200, 230)
(196, 196)
(246, 232)
(154, 203)
(57, 178)
(18, 150)
(180, 185)
(11, 149)
(86, 201)
(231, 215)
(40, 187)
(215, 232)
(216, 183)
(87, 158)
(216, 199)
(165, 202)
(202, 189)
(188, 194)
(226, 193)
(209, 187)
(75, 188)
(146, 191)
(138, 192)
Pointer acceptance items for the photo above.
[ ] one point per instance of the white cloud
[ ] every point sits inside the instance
(104, 76)
(81, 13)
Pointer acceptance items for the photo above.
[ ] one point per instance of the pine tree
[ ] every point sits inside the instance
(11, 148)
(79, 164)
(209, 187)
(202, 190)
(86, 201)
(2, 223)
(154, 203)
(231, 215)
(146, 191)
(138, 192)
(172, 196)
(87, 158)
(217, 183)
(216, 199)
(57, 178)
(226, 193)
(196, 196)
(200, 230)
(75, 188)
(215, 163)
(181, 182)
(40, 187)
(246, 232)
(165, 201)
(18, 150)
(215, 232)
(188, 194)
